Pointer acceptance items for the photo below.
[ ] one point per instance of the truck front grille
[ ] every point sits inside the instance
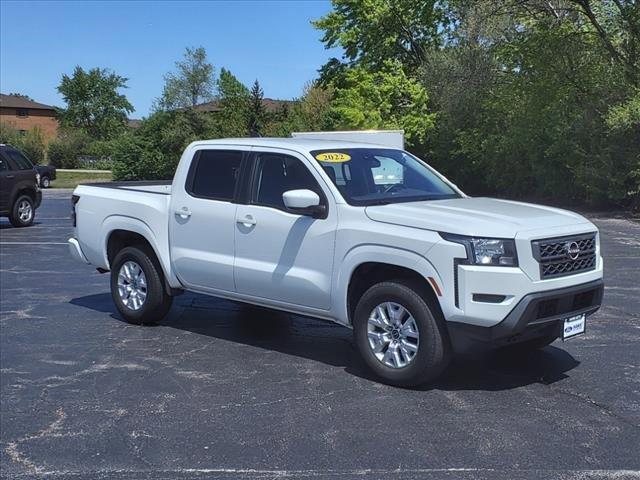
(563, 256)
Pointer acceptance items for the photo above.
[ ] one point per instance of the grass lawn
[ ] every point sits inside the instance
(71, 179)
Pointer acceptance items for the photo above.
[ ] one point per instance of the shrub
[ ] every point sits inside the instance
(64, 152)
(31, 143)
(152, 152)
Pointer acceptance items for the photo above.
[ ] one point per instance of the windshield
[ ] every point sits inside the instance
(377, 176)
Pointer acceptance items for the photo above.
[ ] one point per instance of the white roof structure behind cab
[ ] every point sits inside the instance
(386, 138)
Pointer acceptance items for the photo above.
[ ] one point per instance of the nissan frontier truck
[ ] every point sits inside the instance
(362, 234)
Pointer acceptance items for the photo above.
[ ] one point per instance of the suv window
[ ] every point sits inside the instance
(276, 174)
(19, 160)
(3, 165)
(214, 174)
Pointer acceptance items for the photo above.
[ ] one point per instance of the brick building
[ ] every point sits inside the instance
(25, 115)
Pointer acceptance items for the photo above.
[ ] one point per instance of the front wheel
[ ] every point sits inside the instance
(137, 287)
(23, 212)
(45, 182)
(400, 337)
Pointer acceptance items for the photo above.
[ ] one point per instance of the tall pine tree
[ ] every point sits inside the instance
(257, 116)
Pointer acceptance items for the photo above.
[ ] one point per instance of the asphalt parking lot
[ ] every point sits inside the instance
(220, 390)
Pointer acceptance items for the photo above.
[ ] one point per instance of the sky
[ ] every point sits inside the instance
(272, 41)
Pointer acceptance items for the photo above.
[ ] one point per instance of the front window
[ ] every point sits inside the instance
(377, 176)
(276, 174)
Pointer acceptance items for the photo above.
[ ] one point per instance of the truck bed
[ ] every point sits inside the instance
(139, 207)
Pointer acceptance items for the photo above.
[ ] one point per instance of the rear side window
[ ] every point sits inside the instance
(19, 160)
(215, 174)
(3, 165)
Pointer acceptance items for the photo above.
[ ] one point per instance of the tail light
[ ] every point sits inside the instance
(74, 200)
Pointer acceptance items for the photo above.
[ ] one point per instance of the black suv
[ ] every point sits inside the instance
(20, 193)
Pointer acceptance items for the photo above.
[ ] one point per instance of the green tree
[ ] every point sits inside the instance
(257, 115)
(374, 31)
(312, 111)
(385, 99)
(94, 103)
(153, 150)
(192, 83)
(234, 100)
(531, 99)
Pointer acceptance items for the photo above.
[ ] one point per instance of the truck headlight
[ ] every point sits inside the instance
(487, 251)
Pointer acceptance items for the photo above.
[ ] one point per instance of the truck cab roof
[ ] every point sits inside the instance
(297, 144)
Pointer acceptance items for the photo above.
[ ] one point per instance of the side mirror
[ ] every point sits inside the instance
(303, 202)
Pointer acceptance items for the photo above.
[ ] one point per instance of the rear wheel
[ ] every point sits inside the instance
(45, 181)
(400, 337)
(23, 212)
(137, 287)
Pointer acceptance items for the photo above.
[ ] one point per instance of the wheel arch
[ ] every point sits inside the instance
(23, 190)
(369, 265)
(125, 231)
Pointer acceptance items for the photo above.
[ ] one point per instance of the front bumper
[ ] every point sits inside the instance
(535, 315)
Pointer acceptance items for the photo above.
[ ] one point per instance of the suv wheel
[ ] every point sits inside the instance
(137, 287)
(23, 212)
(45, 182)
(400, 337)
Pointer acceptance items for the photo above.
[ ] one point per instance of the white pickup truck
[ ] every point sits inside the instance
(364, 235)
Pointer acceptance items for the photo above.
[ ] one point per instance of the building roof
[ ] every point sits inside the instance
(270, 104)
(13, 101)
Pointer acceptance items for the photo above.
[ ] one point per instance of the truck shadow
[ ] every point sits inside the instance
(331, 344)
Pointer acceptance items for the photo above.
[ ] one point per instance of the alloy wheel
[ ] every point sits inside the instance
(132, 285)
(25, 211)
(393, 335)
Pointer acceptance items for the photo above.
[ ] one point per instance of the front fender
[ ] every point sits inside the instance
(376, 254)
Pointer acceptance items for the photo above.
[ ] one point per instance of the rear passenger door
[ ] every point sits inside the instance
(280, 255)
(202, 219)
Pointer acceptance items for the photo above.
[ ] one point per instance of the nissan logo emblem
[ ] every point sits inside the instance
(573, 250)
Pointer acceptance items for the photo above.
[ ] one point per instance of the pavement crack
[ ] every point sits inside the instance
(590, 401)
(14, 453)
(281, 400)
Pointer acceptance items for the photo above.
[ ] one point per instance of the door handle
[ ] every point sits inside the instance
(184, 212)
(10, 176)
(247, 221)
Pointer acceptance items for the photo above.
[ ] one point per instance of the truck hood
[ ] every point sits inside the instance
(482, 217)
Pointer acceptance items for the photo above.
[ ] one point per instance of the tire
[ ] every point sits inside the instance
(45, 181)
(22, 211)
(432, 345)
(155, 304)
